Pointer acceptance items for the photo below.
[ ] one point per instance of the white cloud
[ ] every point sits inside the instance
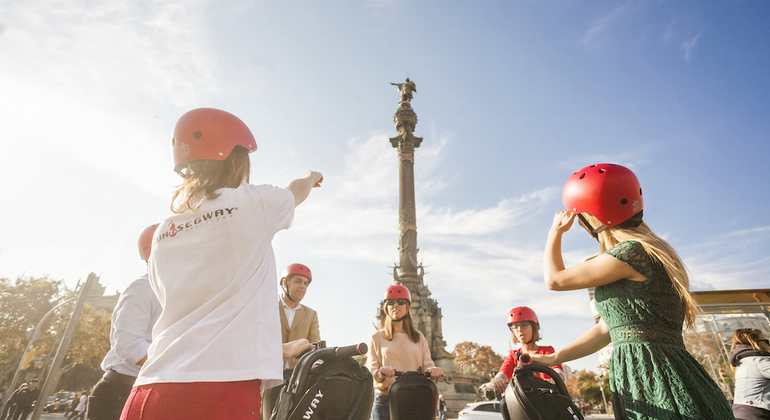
(155, 50)
(689, 44)
(605, 24)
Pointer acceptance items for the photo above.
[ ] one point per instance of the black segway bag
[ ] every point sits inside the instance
(336, 389)
(413, 397)
(528, 397)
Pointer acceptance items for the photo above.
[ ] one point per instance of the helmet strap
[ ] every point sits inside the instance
(285, 281)
(594, 232)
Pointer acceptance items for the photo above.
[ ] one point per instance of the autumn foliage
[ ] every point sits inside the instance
(472, 358)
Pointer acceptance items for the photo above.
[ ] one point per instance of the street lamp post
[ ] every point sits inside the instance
(601, 388)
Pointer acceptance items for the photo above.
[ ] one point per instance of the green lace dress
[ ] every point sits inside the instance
(652, 376)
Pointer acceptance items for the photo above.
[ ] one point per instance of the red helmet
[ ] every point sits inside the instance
(208, 133)
(611, 193)
(297, 269)
(145, 241)
(398, 291)
(522, 313)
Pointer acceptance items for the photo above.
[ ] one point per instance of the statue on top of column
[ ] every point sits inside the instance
(406, 89)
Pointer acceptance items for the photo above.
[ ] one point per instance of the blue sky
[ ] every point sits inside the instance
(512, 97)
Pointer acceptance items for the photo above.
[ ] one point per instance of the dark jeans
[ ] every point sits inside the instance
(19, 413)
(107, 400)
(380, 408)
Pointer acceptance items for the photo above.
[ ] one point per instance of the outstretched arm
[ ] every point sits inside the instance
(603, 269)
(301, 187)
(589, 343)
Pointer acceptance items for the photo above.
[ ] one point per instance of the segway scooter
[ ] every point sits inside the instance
(528, 397)
(413, 397)
(327, 384)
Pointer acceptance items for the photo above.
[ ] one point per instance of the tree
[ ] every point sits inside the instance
(90, 342)
(586, 385)
(23, 303)
(705, 349)
(475, 359)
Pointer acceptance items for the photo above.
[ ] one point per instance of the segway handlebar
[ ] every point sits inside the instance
(352, 350)
(414, 373)
(524, 358)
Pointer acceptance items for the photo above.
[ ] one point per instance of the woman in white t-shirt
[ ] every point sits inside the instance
(218, 339)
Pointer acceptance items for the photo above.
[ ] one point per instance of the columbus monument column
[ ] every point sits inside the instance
(456, 387)
(425, 311)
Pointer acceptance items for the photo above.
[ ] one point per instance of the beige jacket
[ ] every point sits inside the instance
(304, 325)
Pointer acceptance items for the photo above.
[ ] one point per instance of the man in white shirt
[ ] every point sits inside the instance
(297, 321)
(130, 335)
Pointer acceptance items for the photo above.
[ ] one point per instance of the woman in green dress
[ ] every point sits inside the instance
(642, 293)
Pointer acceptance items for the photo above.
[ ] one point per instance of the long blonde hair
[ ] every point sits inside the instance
(660, 251)
(202, 178)
(411, 332)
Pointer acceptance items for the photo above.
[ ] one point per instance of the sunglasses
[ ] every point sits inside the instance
(393, 302)
(520, 326)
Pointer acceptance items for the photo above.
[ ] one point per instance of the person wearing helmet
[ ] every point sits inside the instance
(399, 346)
(297, 322)
(525, 329)
(642, 294)
(217, 341)
(130, 335)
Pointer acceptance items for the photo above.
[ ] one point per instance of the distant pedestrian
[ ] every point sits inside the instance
(80, 411)
(24, 398)
(441, 408)
(750, 357)
(642, 294)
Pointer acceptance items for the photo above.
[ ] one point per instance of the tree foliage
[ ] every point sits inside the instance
(585, 384)
(23, 303)
(475, 359)
(706, 350)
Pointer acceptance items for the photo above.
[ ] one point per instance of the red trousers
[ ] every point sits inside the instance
(194, 401)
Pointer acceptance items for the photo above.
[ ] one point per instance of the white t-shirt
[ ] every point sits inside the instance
(131, 329)
(213, 271)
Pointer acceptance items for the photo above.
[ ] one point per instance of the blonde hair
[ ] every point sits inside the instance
(389, 330)
(202, 178)
(535, 333)
(747, 336)
(660, 251)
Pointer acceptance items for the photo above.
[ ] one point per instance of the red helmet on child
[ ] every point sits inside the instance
(145, 241)
(522, 313)
(609, 192)
(397, 291)
(297, 268)
(208, 133)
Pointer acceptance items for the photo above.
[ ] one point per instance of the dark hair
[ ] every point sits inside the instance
(204, 176)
